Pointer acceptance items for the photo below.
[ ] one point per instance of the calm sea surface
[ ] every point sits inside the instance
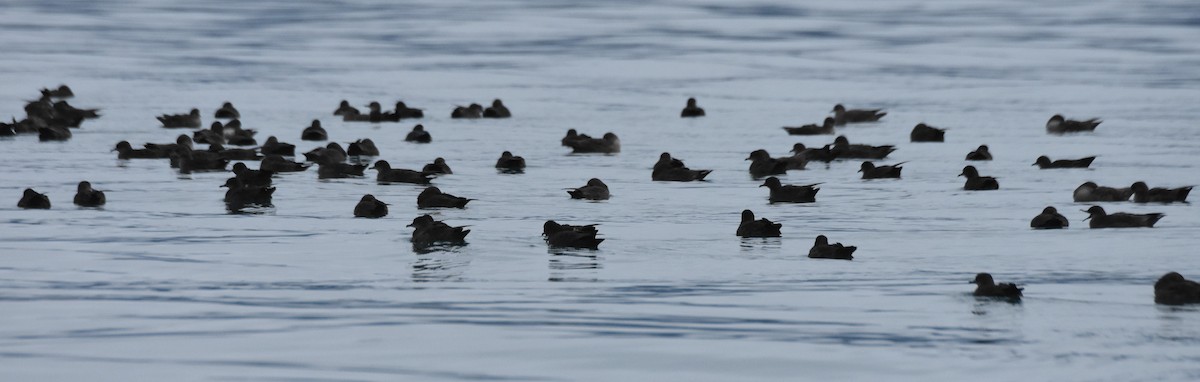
(164, 284)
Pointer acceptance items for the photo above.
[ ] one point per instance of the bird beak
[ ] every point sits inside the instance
(747, 158)
(962, 174)
(410, 225)
(1035, 164)
(971, 282)
(1086, 219)
(371, 168)
(762, 185)
(860, 170)
(222, 186)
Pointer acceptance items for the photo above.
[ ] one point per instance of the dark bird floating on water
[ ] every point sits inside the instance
(227, 111)
(1144, 194)
(1090, 192)
(348, 113)
(691, 110)
(1059, 125)
(1101, 219)
(762, 164)
(669, 169)
(569, 236)
(438, 167)
(362, 147)
(925, 133)
(1173, 289)
(985, 286)
(86, 196)
(432, 197)
(976, 182)
(276, 163)
(32, 200)
(595, 189)
(842, 149)
(472, 111)
(757, 228)
(871, 171)
(980, 153)
(498, 110)
(386, 174)
(842, 116)
(427, 231)
(274, 147)
(190, 120)
(812, 129)
(240, 196)
(63, 91)
(781, 193)
(1049, 219)
(510, 163)
(418, 135)
(314, 132)
(1043, 162)
(607, 145)
(821, 249)
(369, 207)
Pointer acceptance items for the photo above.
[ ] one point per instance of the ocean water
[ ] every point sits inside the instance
(164, 284)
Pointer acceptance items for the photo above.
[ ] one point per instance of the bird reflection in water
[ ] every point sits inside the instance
(761, 244)
(574, 265)
(439, 263)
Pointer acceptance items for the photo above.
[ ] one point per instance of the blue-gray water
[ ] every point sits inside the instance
(162, 284)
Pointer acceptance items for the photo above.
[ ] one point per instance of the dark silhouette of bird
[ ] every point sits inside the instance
(985, 286)
(842, 116)
(757, 228)
(1044, 162)
(86, 196)
(1049, 219)
(369, 207)
(825, 127)
(1090, 192)
(276, 163)
(314, 132)
(821, 249)
(472, 111)
(871, 171)
(418, 135)
(781, 193)
(980, 153)
(32, 200)
(691, 110)
(227, 111)
(432, 197)
(1144, 194)
(976, 182)
(438, 166)
(387, 174)
(274, 147)
(427, 231)
(606, 145)
(669, 169)
(1173, 289)
(1059, 125)
(510, 163)
(190, 120)
(1100, 219)
(925, 133)
(595, 189)
(498, 110)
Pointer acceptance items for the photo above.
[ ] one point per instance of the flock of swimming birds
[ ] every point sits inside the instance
(52, 118)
